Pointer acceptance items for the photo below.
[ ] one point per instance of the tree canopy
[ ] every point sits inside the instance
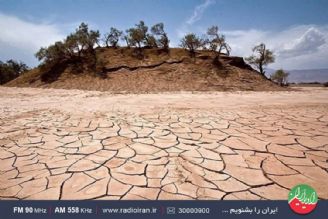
(113, 37)
(76, 46)
(280, 77)
(81, 43)
(191, 42)
(137, 36)
(216, 41)
(213, 41)
(11, 69)
(261, 57)
(161, 37)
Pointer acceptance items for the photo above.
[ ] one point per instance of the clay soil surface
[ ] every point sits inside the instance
(72, 144)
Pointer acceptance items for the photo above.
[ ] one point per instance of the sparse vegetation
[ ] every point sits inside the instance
(280, 77)
(126, 39)
(191, 42)
(78, 52)
(216, 41)
(213, 41)
(162, 39)
(151, 41)
(261, 58)
(325, 84)
(11, 69)
(78, 47)
(113, 37)
(137, 36)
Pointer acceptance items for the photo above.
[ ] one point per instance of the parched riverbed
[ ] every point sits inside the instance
(71, 144)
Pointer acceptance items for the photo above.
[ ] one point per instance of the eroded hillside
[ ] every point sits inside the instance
(154, 71)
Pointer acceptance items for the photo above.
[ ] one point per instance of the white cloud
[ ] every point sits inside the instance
(199, 11)
(242, 41)
(298, 47)
(20, 39)
(308, 43)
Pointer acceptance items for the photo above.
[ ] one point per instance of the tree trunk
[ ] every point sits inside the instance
(261, 68)
(127, 42)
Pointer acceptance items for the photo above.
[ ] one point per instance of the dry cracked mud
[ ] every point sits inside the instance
(60, 144)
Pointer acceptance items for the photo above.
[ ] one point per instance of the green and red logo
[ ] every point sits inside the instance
(302, 199)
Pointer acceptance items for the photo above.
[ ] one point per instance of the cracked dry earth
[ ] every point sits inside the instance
(59, 144)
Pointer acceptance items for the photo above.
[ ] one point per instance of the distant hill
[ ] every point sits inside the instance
(305, 75)
(156, 71)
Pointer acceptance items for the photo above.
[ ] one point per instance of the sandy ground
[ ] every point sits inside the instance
(72, 144)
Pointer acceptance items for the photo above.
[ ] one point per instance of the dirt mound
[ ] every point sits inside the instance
(154, 71)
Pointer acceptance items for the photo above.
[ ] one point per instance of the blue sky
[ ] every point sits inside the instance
(296, 30)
